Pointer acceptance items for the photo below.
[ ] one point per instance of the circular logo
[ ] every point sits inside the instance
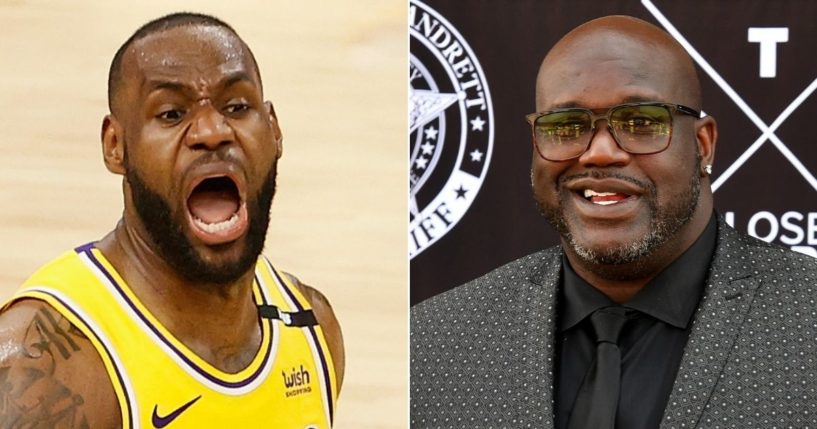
(451, 125)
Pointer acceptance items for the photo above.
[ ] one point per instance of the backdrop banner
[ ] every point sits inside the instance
(472, 73)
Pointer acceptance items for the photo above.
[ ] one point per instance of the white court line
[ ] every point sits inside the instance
(768, 131)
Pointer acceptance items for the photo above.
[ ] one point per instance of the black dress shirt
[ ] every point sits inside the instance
(652, 341)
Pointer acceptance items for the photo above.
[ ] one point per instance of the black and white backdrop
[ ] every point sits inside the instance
(472, 74)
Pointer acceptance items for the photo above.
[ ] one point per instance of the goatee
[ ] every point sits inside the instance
(665, 221)
(164, 227)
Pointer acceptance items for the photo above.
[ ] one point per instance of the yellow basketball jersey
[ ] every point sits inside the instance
(160, 382)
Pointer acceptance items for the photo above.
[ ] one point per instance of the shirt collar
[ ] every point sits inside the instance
(579, 298)
(671, 297)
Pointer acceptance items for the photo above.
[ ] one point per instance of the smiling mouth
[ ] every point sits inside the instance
(216, 209)
(604, 198)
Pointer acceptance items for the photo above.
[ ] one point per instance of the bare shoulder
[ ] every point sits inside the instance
(51, 376)
(329, 324)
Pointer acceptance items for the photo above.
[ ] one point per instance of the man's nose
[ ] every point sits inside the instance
(209, 129)
(603, 150)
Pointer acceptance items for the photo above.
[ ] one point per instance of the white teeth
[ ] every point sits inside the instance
(588, 193)
(591, 193)
(217, 227)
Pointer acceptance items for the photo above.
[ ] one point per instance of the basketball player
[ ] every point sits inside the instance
(174, 317)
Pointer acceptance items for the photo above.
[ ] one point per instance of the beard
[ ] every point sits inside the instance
(665, 221)
(165, 231)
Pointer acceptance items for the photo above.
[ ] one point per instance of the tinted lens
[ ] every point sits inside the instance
(642, 129)
(562, 135)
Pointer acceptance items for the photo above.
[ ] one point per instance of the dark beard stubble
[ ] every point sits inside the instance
(664, 222)
(175, 248)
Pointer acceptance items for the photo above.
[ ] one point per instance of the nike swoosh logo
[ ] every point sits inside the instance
(161, 421)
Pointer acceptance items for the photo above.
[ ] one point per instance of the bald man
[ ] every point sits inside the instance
(652, 312)
(175, 319)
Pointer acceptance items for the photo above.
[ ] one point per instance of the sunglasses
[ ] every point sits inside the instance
(638, 128)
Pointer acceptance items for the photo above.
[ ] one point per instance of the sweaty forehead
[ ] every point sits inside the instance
(198, 53)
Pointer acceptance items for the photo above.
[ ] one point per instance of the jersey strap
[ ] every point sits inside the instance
(298, 318)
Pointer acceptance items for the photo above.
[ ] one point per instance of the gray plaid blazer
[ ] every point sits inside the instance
(482, 354)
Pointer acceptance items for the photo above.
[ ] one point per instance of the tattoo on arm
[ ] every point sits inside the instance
(46, 332)
(30, 395)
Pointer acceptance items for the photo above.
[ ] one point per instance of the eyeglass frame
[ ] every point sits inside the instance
(595, 117)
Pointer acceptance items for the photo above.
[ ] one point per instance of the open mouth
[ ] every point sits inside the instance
(604, 198)
(217, 210)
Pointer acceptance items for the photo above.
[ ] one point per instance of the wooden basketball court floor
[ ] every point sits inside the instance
(336, 72)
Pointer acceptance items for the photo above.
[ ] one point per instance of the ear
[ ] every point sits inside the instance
(276, 129)
(113, 145)
(706, 135)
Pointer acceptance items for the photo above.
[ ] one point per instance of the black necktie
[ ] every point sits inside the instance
(597, 401)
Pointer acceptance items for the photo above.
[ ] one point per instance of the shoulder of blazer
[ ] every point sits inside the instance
(520, 293)
(540, 269)
(756, 317)
(741, 255)
(480, 353)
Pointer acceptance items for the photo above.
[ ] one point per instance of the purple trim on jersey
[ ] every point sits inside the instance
(108, 352)
(85, 247)
(178, 352)
(324, 366)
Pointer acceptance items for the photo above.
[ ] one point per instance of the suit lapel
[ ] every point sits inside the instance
(546, 277)
(727, 298)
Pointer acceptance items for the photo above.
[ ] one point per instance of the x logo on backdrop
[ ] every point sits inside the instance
(794, 228)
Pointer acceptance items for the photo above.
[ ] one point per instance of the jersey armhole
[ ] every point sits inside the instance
(116, 376)
(324, 353)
